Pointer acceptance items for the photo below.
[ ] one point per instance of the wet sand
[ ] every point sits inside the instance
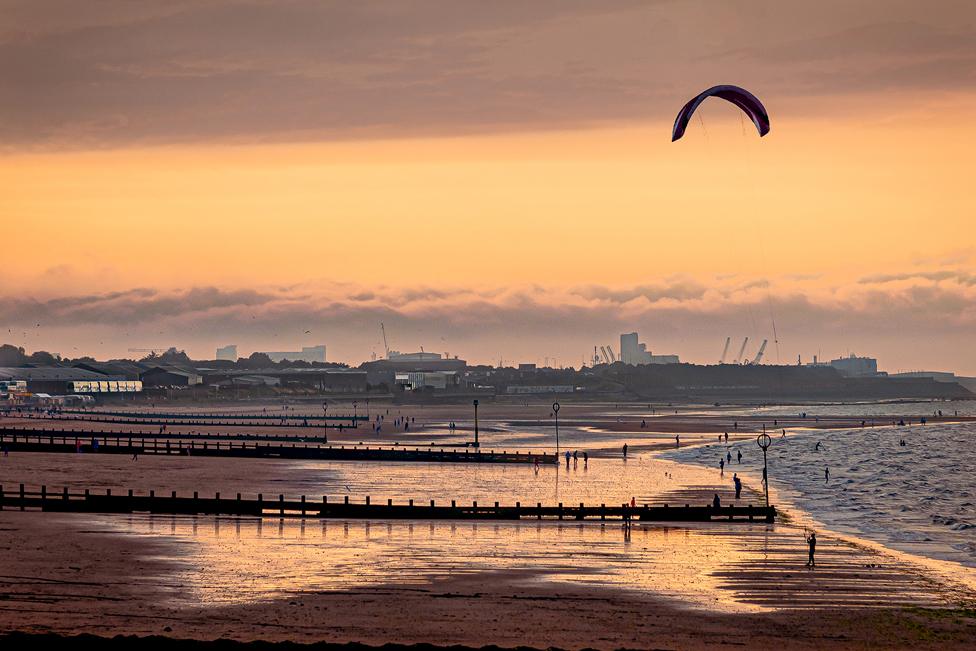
(75, 576)
(568, 585)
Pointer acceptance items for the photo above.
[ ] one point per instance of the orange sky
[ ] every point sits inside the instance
(487, 165)
(840, 199)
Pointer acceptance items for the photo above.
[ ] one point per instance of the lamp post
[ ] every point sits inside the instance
(764, 442)
(325, 423)
(355, 422)
(476, 444)
(555, 410)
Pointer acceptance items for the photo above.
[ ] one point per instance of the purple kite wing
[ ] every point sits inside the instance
(742, 98)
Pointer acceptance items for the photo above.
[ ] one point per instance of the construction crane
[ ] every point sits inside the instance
(758, 358)
(606, 356)
(725, 351)
(741, 350)
(386, 346)
(613, 358)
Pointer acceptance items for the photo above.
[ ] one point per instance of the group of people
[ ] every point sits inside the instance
(575, 457)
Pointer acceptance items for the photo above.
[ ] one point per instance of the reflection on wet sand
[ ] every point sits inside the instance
(720, 568)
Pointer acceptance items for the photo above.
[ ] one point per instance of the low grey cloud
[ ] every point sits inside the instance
(115, 73)
(915, 326)
(960, 277)
(680, 291)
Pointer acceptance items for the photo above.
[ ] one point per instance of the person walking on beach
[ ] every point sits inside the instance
(826, 474)
(740, 456)
(728, 456)
(586, 460)
(567, 458)
(716, 502)
(721, 466)
(726, 437)
(625, 450)
(677, 441)
(738, 485)
(812, 542)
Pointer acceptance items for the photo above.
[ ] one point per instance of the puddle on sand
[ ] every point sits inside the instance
(227, 561)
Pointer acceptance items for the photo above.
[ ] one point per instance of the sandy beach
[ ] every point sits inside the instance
(537, 584)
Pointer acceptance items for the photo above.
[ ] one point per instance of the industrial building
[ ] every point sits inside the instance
(413, 381)
(57, 380)
(634, 353)
(170, 376)
(854, 366)
(384, 371)
(228, 353)
(306, 354)
(335, 380)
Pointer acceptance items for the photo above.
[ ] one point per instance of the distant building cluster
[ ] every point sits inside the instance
(851, 366)
(304, 373)
(636, 354)
(309, 354)
(227, 353)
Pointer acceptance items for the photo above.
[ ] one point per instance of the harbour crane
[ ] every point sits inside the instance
(725, 351)
(741, 350)
(386, 346)
(758, 357)
(613, 358)
(606, 357)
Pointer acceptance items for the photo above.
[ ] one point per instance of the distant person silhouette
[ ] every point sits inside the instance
(812, 542)
(721, 465)
(625, 449)
(677, 441)
(740, 456)
(826, 474)
(738, 486)
(716, 502)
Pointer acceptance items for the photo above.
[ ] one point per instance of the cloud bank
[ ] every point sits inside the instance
(934, 310)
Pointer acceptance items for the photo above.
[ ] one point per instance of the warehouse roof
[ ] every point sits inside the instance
(51, 373)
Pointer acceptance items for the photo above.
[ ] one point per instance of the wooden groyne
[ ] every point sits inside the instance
(125, 443)
(215, 422)
(172, 504)
(148, 434)
(284, 415)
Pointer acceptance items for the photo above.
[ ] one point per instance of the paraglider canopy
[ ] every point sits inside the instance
(742, 98)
